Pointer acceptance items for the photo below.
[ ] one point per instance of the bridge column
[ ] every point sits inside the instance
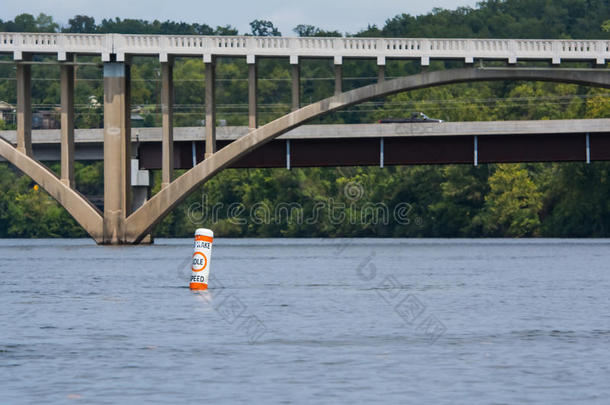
(117, 151)
(167, 112)
(252, 91)
(67, 122)
(380, 69)
(296, 84)
(210, 110)
(24, 107)
(338, 79)
(140, 191)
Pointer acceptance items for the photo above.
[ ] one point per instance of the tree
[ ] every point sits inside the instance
(598, 104)
(463, 188)
(22, 23)
(28, 23)
(606, 26)
(81, 24)
(371, 31)
(225, 30)
(45, 23)
(304, 30)
(578, 201)
(264, 28)
(126, 26)
(513, 203)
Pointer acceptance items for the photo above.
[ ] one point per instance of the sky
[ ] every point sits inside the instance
(345, 16)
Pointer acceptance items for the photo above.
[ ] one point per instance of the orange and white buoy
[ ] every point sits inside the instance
(202, 257)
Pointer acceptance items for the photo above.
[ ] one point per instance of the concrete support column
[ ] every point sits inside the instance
(140, 192)
(296, 87)
(252, 91)
(380, 73)
(338, 79)
(67, 123)
(117, 151)
(210, 109)
(167, 112)
(24, 108)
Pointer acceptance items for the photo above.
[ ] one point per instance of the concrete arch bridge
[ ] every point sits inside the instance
(119, 223)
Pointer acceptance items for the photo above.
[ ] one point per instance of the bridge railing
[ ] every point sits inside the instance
(61, 44)
(381, 48)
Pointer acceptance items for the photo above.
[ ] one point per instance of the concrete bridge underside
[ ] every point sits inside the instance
(118, 225)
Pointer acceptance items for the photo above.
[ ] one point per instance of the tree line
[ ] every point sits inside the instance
(513, 200)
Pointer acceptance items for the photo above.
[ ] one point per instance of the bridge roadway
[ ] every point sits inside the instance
(362, 144)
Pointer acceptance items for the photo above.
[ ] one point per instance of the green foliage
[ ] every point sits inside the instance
(577, 203)
(29, 23)
(81, 24)
(305, 30)
(512, 204)
(134, 26)
(463, 196)
(264, 28)
(27, 211)
(89, 178)
(597, 105)
(505, 19)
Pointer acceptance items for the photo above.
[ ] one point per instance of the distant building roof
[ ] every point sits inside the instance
(4, 106)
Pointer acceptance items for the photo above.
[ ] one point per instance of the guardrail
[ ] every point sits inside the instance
(424, 49)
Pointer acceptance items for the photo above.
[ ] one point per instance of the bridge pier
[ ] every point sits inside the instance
(140, 191)
(380, 73)
(296, 86)
(338, 79)
(252, 92)
(67, 123)
(210, 110)
(167, 112)
(117, 152)
(24, 106)
(381, 69)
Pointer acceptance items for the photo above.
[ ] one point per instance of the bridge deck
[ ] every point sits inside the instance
(361, 144)
(344, 131)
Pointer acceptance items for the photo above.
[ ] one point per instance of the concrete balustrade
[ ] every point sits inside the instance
(423, 49)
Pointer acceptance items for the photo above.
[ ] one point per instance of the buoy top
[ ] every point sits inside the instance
(205, 232)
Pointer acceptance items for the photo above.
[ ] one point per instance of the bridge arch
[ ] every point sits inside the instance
(85, 213)
(139, 223)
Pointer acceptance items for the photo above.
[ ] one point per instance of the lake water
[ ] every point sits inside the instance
(307, 321)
